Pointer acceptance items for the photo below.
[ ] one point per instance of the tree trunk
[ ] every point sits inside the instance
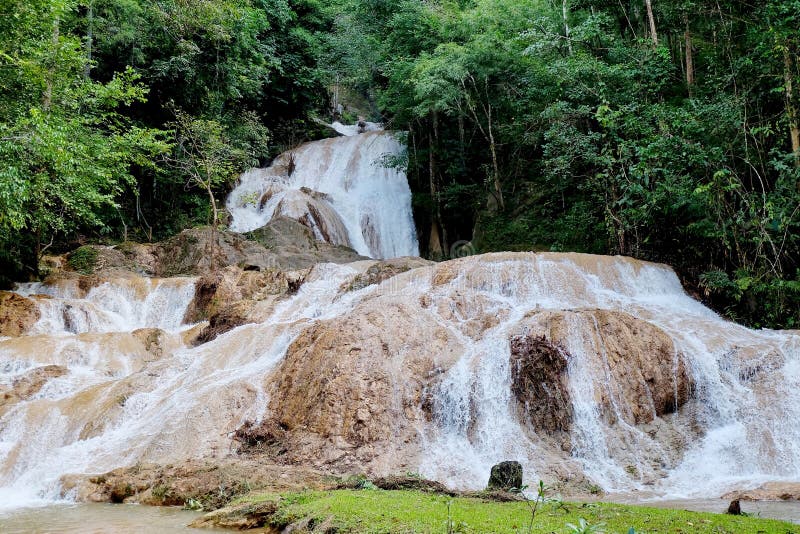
(87, 69)
(438, 240)
(791, 110)
(687, 37)
(215, 220)
(496, 167)
(47, 98)
(564, 14)
(651, 19)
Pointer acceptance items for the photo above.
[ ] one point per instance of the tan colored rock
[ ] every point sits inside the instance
(245, 516)
(648, 377)
(213, 483)
(29, 384)
(384, 270)
(17, 314)
(770, 491)
(351, 389)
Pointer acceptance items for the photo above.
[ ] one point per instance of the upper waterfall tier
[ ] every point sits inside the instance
(347, 190)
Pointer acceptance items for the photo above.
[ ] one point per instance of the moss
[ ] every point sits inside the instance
(83, 260)
(377, 511)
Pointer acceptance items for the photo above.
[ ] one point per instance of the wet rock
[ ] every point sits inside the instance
(29, 384)
(239, 517)
(647, 376)
(770, 491)
(295, 247)
(734, 508)
(539, 383)
(351, 389)
(384, 270)
(506, 476)
(226, 320)
(17, 314)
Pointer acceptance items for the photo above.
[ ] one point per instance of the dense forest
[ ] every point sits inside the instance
(663, 130)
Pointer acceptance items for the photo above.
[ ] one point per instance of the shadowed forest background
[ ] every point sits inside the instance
(662, 130)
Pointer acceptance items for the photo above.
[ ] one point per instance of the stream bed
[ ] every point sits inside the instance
(98, 519)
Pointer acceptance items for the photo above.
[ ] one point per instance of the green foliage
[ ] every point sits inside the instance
(83, 260)
(409, 511)
(88, 133)
(535, 128)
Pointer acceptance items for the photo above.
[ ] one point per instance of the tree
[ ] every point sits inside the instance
(205, 158)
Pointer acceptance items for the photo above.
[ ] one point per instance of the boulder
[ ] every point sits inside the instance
(384, 270)
(246, 516)
(506, 476)
(734, 508)
(295, 247)
(17, 314)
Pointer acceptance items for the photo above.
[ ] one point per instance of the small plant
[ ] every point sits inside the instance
(83, 260)
(594, 489)
(585, 528)
(247, 199)
(534, 503)
(454, 527)
(193, 504)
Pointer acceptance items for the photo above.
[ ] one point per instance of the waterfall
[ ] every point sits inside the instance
(738, 429)
(106, 377)
(348, 190)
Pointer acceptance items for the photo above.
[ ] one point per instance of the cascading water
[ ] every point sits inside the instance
(348, 190)
(738, 429)
(108, 401)
(104, 394)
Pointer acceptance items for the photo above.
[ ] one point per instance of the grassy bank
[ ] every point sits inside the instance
(395, 512)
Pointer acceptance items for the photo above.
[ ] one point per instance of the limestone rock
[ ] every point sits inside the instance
(17, 314)
(353, 387)
(295, 247)
(384, 270)
(245, 516)
(648, 378)
(539, 383)
(29, 384)
(770, 491)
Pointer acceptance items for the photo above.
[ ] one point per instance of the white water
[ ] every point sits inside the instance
(748, 428)
(343, 188)
(118, 403)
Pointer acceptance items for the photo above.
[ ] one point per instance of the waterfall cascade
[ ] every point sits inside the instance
(349, 190)
(642, 388)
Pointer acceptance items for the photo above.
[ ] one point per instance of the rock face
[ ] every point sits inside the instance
(17, 314)
(351, 389)
(539, 383)
(506, 476)
(568, 364)
(645, 374)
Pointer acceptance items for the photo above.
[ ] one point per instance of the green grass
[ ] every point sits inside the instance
(399, 512)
